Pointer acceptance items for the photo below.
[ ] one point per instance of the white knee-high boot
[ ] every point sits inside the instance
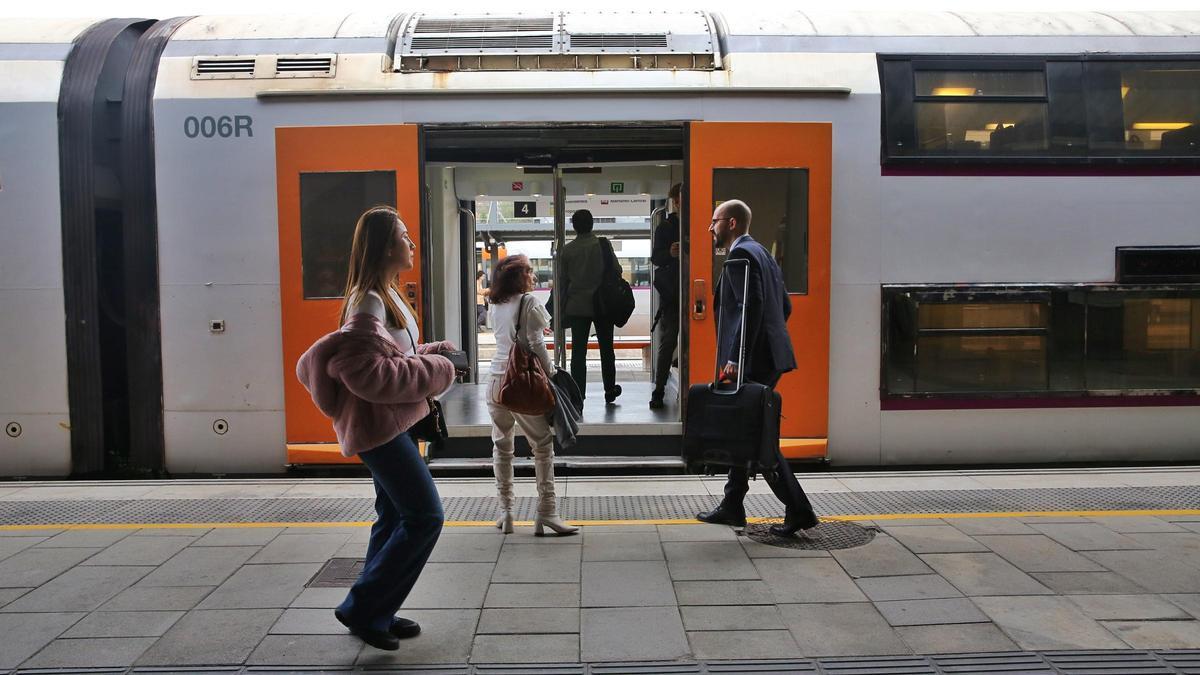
(502, 466)
(547, 509)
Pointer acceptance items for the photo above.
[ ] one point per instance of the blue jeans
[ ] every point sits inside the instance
(403, 536)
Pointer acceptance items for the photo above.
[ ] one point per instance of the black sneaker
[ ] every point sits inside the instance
(656, 401)
(612, 394)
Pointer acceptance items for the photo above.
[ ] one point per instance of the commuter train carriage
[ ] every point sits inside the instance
(986, 220)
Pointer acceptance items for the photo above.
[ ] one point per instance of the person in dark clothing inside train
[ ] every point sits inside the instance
(768, 356)
(664, 253)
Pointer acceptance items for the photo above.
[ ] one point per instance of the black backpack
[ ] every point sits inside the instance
(613, 300)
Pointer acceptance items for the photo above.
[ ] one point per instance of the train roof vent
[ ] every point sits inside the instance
(444, 44)
(316, 65)
(218, 68)
(479, 35)
(485, 24)
(618, 41)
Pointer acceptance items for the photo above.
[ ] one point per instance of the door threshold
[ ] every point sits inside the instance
(563, 461)
(598, 429)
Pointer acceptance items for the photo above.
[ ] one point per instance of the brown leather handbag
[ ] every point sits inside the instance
(525, 387)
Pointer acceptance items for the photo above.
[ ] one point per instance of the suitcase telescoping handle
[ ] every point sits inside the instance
(715, 386)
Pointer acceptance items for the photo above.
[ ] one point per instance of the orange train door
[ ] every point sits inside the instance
(782, 171)
(327, 176)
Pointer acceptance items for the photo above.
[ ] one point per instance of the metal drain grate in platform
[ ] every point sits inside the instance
(826, 536)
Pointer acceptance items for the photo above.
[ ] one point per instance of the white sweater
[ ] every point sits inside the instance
(504, 321)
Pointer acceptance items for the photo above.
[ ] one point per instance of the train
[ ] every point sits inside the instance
(986, 220)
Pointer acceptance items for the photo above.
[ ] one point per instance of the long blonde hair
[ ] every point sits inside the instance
(373, 237)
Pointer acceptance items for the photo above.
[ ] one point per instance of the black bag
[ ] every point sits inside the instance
(613, 300)
(732, 427)
(432, 427)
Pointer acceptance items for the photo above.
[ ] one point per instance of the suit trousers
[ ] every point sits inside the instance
(580, 327)
(668, 338)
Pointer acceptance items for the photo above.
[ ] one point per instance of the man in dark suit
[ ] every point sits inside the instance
(768, 356)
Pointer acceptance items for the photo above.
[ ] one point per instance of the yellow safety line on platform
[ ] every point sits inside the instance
(659, 521)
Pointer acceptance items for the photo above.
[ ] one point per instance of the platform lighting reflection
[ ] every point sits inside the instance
(1161, 126)
(954, 91)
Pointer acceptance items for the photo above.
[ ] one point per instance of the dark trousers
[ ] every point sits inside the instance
(580, 327)
(403, 536)
(779, 477)
(668, 338)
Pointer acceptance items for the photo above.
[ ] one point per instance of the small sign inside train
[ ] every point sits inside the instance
(616, 188)
(525, 209)
(518, 186)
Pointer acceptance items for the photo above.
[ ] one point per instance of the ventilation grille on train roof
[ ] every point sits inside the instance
(223, 68)
(486, 25)
(264, 67)
(482, 42)
(304, 66)
(619, 40)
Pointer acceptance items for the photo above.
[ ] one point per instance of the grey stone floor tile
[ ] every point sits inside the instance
(1073, 520)
(44, 533)
(908, 522)
(466, 548)
(149, 550)
(300, 621)
(1157, 634)
(615, 546)
(522, 536)
(446, 637)
(25, 634)
(320, 598)
(1185, 546)
(1190, 602)
(249, 536)
(200, 566)
(882, 557)
(1131, 524)
(1127, 607)
(211, 637)
(1092, 583)
(984, 574)
(1040, 623)
(300, 548)
(743, 644)
(755, 549)
(529, 621)
(796, 580)
(1156, 571)
(532, 595)
(708, 561)
(1037, 553)
(698, 532)
(1192, 526)
(193, 533)
(306, 650)
(1087, 537)
(934, 539)
(85, 539)
(612, 529)
(910, 587)
(451, 586)
(732, 618)
(974, 526)
(930, 612)
(123, 624)
(12, 545)
(962, 638)
(80, 589)
(525, 648)
(35, 566)
(91, 652)
(7, 595)
(632, 634)
(746, 592)
(643, 583)
(842, 629)
(155, 598)
(261, 587)
(538, 564)
(352, 549)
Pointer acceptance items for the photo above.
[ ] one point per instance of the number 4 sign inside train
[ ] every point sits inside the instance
(525, 209)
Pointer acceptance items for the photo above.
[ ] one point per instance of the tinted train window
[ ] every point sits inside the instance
(330, 204)
(1148, 108)
(1143, 341)
(778, 201)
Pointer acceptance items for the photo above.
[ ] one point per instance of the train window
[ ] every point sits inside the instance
(1143, 341)
(330, 204)
(778, 200)
(1144, 108)
(981, 111)
(976, 83)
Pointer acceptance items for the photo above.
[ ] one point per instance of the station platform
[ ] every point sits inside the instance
(969, 571)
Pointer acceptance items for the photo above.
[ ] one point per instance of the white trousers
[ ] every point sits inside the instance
(541, 439)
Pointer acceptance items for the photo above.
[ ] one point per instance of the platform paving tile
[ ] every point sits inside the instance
(306, 650)
(301, 548)
(7, 595)
(756, 549)
(1087, 537)
(91, 652)
(25, 634)
(538, 564)
(726, 593)
(35, 566)
(80, 589)
(703, 532)
(157, 598)
(644, 583)
(1038, 553)
(1091, 583)
(963, 638)
(211, 637)
(1190, 602)
(974, 526)
(451, 586)
(882, 557)
(85, 539)
(908, 587)
(535, 648)
(1184, 545)
(13, 545)
(261, 586)
(843, 629)
(611, 546)
(1137, 524)
(123, 624)
(304, 621)
(708, 561)
(529, 621)
(731, 618)
(1157, 634)
(446, 637)
(1156, 571)
(632, 634)
(1128, 607)
(797, 580)
(193, 533)
(239, 536)
(934, 539)
(930, 612)
(140, 550)
(743, 644)
(200, 566)
(319, 598)
(984, 574)
(44, 533)
(352, 549)
(532, 595)
(453, 547)
(1046, 623)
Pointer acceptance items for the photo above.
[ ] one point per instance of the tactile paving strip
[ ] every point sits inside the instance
(632, 507)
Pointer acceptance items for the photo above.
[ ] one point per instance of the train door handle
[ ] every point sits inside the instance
(699, 296)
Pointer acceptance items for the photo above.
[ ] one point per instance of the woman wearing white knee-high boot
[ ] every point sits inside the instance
(512, 279)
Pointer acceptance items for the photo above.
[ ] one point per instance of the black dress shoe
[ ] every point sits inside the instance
(379, 639)
(612, 394)
(789, 528)
(722, 516)
(404, 628)
(656, 401)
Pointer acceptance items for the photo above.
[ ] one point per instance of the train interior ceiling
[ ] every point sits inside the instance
(491, 193)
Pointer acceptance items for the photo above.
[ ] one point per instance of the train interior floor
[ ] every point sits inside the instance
(1039, 570)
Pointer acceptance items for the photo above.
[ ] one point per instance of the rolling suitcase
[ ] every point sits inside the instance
(732, 427)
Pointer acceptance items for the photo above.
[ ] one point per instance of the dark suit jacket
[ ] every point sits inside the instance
(768, 345)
